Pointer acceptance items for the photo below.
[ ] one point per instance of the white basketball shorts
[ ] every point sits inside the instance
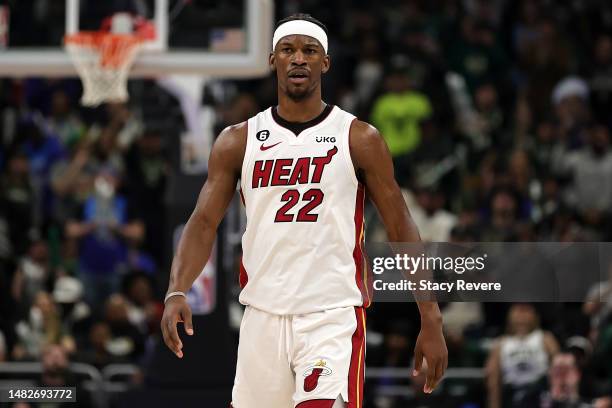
(286, 361)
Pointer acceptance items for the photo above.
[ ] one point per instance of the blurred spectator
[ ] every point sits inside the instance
(590, 172)
(518, 363)
(72, 181)
(547, 146)
(42, 326)
(600, 73)
(96, 349)
(414, 33)
(104, 228)
(55, 365)
(564, 378)
(521, 174)
(487, 175)
(98, 149)
(74, 312)
(503, 216)
(126, 341)
(490, 118)
(522, 129)
(41, 148)
(570, 97)
(397, 344)
(465, 231)
(137, 259)
(33, 273)
(242, 107)
(395, 352)
(123, 124)
(564, 226)
(18, 198)
(106, 152)
(397, 114)
(550, 202)
(543, 61)
(63, 122)
(525, 30)
(437, 160)
(582, 349)
(143, 310)
(459, 318)
(368, 74)
(57, 373)
(428, 213)
(476, 54)
(67, 258)
(147, 174)
(598, 305)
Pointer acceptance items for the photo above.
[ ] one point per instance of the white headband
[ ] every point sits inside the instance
(300, 27)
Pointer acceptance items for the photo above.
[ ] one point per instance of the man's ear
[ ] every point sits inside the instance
(271, 61)
(326, 63)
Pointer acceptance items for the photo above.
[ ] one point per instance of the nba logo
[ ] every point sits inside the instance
(202, 296)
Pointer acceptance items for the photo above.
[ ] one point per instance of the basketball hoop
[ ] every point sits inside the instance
(103, 58)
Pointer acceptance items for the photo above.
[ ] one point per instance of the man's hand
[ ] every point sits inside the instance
(176, 310)
(431, 346)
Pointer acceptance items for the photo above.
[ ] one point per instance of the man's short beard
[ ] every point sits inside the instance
(299, 96)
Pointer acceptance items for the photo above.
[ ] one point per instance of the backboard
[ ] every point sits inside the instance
(229, 38)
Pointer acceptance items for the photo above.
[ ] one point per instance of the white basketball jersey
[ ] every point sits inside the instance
(524, 360)
(303, 244)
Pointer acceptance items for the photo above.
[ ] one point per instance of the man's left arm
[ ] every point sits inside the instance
(374, 166)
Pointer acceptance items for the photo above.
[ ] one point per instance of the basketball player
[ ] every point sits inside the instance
(304, 167)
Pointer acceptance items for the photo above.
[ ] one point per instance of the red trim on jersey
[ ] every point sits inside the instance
(242, 197)
(320, 403)
(361, 270)
(357, 366)
(243, 276)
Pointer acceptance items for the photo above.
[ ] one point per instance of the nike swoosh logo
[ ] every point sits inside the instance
(264, 148)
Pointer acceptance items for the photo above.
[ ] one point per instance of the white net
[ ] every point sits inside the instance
(103, 62)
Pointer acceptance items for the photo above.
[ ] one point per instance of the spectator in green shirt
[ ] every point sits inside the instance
(398, 112)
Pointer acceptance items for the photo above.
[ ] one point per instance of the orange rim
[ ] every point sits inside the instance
(113, 48)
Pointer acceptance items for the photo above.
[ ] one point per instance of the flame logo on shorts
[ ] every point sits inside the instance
(313, 373)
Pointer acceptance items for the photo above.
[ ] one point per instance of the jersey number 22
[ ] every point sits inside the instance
(313, 198)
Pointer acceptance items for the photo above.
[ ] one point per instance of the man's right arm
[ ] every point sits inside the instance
(196, 242)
